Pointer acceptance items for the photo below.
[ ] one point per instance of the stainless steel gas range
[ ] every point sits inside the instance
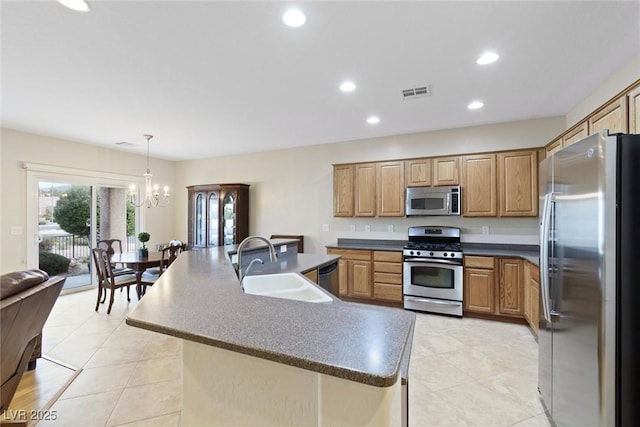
(432, 270)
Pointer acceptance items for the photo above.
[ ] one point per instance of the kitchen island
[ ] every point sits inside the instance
(258, 360)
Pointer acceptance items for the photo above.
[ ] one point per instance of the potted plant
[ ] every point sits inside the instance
(144, 237)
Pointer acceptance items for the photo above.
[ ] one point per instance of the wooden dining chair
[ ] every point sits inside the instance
(169, 254)
(106, 278)
(111, 245)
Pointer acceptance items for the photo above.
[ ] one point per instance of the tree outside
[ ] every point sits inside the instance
(73, 210)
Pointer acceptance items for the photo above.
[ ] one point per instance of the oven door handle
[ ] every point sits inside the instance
(431, 301)
(435, 261)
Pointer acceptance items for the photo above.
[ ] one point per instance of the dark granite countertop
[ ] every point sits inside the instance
(369, 244)
(294, 263)
(199, 299)
(527, 252)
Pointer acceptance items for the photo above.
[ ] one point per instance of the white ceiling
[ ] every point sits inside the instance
(210, 78)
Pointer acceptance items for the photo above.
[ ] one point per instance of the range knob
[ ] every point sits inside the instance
(411, 253)
(431, 253)
(444, 254)
(417, 252)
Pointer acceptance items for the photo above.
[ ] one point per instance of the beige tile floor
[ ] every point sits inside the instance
(464, 372)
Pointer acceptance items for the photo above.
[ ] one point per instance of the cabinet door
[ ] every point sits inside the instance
(343, 190)
(518, 183)
(343, 277)
(390, 188)
(511, 289)
(478, 290)
(418, 172)
(445, 171)
(479, 196)
(613, 117)
(527, 292)
(360, 279)
(365, 189)
(574, 134)
(553, 147)
(634, 110)
(534, 299)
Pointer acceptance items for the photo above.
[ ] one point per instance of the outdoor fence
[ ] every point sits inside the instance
(73, 246)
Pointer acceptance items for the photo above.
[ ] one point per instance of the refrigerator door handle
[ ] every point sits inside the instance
(545, 230)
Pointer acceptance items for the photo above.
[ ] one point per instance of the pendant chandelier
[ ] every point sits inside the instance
(152, 196)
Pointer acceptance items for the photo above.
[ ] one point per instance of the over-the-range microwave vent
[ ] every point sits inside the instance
(416, 92)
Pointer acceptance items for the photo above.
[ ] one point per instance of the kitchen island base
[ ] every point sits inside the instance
(222, 387)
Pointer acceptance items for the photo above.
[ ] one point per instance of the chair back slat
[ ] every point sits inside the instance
(102, 260)
(110, 245)
(169, 254)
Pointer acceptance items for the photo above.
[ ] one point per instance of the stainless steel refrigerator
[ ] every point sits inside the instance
(590, 283)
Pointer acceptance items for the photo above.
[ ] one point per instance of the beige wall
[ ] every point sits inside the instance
(292, 190)
(18, 147)
(624, 77)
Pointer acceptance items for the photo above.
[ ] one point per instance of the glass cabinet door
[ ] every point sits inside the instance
(201, 220)
(229, 209)
(214, 208)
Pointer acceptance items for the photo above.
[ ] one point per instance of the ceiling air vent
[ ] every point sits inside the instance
(125, 144)
(416, 92)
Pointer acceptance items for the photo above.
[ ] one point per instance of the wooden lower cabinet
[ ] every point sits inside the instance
(494, 285)
(312, 275)
(370, 275)
(532, 295)
(479, 284)
(387, 275)
(478, 290)
(511, 297)
(355, 273)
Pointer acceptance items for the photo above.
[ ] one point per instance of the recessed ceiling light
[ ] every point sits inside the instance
(77, 5)
(294, 18)
(475, 105)
(488, 58)
(372, 120)
(348, 86)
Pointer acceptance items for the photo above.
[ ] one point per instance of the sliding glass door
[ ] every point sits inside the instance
(69, 211)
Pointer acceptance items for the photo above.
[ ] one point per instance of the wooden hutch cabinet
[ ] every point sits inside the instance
(218, 214)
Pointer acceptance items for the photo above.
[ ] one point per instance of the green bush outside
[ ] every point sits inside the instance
(53, 264)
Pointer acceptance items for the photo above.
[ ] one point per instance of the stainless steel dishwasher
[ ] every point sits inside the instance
(328, 277)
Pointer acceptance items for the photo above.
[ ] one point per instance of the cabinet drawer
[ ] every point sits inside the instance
(391, 278)
(479, 261)
(387, 292)
(387, 267)
(356, 254)
(387, 256)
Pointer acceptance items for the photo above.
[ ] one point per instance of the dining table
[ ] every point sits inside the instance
(138, 264)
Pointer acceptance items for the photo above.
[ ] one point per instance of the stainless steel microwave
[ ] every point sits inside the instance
(424, 201)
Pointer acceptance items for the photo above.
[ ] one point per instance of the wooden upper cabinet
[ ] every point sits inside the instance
(390, 188)
(613, 117)
(479, 194)
(343, 182)
(445, 171)
(365, 189)
(418, 172)
(553, 147)
(518, 183)
(575, 134)
(634, 110)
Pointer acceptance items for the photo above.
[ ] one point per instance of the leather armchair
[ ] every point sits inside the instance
(26, 300)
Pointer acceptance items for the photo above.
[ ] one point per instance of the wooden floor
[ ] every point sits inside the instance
(38, 390)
